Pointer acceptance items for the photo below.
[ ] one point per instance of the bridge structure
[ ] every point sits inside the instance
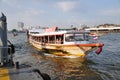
(111, 29)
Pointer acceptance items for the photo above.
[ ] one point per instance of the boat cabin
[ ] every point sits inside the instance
(60, 37)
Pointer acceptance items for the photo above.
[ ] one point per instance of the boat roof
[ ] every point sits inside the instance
(43, 33)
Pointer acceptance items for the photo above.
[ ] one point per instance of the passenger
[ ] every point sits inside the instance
(59, 41)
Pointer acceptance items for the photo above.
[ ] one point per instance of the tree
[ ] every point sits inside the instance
(13, 30)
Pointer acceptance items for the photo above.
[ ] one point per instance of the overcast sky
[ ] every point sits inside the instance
(61, 13)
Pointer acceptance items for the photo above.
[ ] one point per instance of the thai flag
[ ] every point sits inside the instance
(95, 37)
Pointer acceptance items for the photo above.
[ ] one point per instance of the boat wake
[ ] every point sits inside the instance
(65, 56)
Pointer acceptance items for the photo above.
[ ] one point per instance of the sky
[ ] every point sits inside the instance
(60, 13)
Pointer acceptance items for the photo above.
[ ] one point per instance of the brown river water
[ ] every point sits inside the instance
(105, 66)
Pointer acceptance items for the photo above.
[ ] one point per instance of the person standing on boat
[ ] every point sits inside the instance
(27, 32)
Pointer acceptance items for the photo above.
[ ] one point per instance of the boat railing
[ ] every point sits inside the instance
(49, 42)
(55, 42)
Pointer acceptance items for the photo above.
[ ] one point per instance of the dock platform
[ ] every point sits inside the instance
(26, 70)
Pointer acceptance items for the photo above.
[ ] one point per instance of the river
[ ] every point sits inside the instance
(105, 66)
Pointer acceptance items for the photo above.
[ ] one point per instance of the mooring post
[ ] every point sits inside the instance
(3, 40)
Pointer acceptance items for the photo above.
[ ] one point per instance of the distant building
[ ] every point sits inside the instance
(21, 26)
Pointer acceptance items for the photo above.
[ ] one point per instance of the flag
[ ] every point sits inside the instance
(95, 37)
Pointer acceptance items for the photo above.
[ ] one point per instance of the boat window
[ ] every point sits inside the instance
(46, 39)
(59, 39)
(74, 37)
(86, 36)
(52, 39)
(69, 37)
(79, 37)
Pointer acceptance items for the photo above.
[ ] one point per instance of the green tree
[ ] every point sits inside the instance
(14, 30)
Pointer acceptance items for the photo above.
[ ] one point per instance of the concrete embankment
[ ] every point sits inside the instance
(27, 70)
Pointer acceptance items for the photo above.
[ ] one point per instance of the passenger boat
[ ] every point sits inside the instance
(63, 42)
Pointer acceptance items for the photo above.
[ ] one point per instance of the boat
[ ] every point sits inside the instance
(15, 34)
(63, 42)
